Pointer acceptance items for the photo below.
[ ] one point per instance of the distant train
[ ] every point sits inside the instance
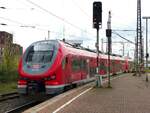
(50, 66)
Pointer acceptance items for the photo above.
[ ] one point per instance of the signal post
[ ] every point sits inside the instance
(108, 35)
(97, 23)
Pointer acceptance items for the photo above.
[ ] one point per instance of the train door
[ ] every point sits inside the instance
(76, 69)
(67, 69)
(88, 68)
(92, 67)
(126, 66)
(113, 67)
(84, 68)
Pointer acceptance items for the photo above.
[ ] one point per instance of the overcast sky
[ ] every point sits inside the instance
(30, 20)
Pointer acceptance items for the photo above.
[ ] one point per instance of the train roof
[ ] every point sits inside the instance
(88, 52)
(79, 50)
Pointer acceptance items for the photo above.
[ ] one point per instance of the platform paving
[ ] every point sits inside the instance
(129, 94)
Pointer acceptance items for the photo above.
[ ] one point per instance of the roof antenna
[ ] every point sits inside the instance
(63, 39)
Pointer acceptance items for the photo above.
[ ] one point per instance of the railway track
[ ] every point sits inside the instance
(4, 97)
(23, 107)
(30, 102)
(14, 103)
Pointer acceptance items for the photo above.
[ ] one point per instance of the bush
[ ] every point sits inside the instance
(8, 67)
(8, 76)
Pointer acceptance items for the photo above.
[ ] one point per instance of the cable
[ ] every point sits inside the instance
(81, 9)
(24, 4)
(54, 15)
(132, 30)
(60, 18)
(35, 27)
(11, 20)
(123, 38)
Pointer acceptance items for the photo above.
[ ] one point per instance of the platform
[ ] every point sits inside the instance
(129, 94)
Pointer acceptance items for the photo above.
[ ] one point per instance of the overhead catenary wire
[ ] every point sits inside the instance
(81, 9)
(54, 15)
(60, 18)
(10, 20)
(24, 4)
(17, 22)
(123, 37)
(38, 27)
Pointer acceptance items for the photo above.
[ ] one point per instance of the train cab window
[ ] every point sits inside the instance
(40, 53)
(39, 56)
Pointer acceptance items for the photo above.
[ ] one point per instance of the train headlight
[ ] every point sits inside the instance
(47, 78)
(51, 77)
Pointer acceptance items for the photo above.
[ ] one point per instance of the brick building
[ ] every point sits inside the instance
(6, 39)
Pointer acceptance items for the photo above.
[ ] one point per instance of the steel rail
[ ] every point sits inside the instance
(7, 96)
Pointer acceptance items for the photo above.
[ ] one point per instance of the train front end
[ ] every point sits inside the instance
(37, 66)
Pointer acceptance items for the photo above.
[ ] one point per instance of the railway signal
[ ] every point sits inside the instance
(97, 22)
(97, 14)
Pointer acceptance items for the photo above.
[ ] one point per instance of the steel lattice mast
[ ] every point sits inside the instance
(139, 42)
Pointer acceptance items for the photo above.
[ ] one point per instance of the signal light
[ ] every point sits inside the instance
(97, 14)
(108, 32)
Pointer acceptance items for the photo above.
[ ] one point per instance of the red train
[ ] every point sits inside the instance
(51, 65)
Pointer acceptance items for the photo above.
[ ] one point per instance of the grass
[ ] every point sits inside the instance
(8, 81)
(8, 87)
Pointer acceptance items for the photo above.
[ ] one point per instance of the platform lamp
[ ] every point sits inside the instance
(147, 55)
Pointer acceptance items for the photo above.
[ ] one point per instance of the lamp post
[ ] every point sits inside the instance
(147, 55)
(48, 34)
(28, 26)
(3, 24)
(2, 7)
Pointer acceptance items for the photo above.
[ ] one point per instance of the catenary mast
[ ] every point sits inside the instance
(139, 56)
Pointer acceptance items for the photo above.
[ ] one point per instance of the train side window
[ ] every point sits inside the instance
(76, 65)
(83, 64)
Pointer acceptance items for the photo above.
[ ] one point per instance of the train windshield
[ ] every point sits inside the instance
(40, 53)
